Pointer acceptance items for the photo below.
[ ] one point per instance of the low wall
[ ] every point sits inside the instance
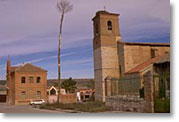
(126, 103)
(22, 102)
(52, 98)
(68, 98)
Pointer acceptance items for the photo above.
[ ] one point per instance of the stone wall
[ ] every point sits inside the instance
(104, 68)
(149, 92)
(126, 103)
(133, 103)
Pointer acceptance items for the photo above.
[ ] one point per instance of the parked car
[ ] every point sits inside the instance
(37, 102)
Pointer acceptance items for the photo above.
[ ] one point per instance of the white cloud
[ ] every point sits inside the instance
(3, 67)
(79, 61)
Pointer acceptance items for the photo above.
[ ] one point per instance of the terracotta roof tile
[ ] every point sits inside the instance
(27, 68)
(164, 59)
(145, 64)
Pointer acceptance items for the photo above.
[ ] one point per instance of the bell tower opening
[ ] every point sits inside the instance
(109, 24)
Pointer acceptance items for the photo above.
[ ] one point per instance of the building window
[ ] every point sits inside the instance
(23, 95)
(38, 79)
(38, 95)
(31, 79)
(109, 24)
(22, 79)
(154, 53)
(166, 52)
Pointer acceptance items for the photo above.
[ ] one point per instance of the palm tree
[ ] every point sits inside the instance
(63, 7)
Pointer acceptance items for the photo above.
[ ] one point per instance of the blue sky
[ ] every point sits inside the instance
(29, 31)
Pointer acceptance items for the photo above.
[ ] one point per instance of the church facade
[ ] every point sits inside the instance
(115, 58)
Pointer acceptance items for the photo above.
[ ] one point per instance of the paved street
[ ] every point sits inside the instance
(5, 108)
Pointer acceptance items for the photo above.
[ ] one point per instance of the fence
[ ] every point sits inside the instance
(126, 95)
(148, 93)
(126, 86)
(162, 92)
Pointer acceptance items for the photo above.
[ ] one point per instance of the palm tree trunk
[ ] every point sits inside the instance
(59, 53)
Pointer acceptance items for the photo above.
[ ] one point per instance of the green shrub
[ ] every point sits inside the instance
(162, 106)
(84, 107)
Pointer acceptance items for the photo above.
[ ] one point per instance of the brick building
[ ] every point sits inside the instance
(24, 83)
(113, 57)
(3, 93)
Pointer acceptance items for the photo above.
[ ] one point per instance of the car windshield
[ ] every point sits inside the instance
(37, 100)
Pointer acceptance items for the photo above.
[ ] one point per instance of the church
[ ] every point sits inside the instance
(115, 58)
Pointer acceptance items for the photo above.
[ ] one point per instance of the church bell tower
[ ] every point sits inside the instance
(106, 64)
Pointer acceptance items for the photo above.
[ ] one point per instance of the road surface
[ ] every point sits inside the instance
(5, 108)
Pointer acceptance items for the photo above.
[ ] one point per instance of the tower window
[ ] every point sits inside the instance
(109, 23)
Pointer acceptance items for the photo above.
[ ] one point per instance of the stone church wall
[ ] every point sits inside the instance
(132, 55)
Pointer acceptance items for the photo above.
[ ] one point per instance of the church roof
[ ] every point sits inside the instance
(164, 59)
(27, 68)
(147, 63)
(144, 44)
(103, 12)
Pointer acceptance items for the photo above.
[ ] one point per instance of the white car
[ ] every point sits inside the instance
(37, 102)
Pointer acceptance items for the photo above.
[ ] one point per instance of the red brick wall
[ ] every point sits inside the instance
(68, 98)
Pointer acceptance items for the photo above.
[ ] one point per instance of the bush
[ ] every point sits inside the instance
(84, 107)
(162, 106)
(47, 106)
(69, 85)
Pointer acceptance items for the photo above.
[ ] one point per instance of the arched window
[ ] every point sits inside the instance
(53, 92)
(109, 23)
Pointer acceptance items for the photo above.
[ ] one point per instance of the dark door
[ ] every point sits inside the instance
(2, 98)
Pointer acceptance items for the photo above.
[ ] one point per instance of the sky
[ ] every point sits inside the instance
(29, 31)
